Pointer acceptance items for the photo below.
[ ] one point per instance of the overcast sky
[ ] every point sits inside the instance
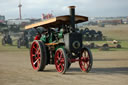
(34, 8)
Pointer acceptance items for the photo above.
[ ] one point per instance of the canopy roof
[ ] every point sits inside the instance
(57, 21)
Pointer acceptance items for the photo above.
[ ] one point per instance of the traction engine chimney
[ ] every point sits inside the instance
(72, 17)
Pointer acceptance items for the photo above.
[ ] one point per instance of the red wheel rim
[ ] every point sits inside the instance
(35, 55)
(84, 60)
(59, 61)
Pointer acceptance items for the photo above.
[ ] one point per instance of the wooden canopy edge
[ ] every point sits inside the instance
(54, 22)
(40, 23)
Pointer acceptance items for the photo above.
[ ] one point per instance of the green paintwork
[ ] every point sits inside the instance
(50, 40)
(59, 46)
(43, 38)
(60, 34)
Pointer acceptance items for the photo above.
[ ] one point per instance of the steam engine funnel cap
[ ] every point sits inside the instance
(72, 7)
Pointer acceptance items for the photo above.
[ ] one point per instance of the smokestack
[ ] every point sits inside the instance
(72, 17)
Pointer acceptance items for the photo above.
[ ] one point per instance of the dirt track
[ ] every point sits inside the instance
(109, 68)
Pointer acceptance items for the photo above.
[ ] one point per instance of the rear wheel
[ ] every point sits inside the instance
(61, 60)
(38, 55)
(85, 60)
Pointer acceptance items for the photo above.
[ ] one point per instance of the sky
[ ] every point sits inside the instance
(90, 8)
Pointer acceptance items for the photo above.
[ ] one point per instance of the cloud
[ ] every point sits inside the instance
(34, 8)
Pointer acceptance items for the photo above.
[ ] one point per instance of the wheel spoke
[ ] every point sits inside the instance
(83, 63)
(62, 67)
(87, 65)
(87, 59)
(38, 54)
(39, 61)
(34, 48)
(62, 60)
(86, 53)
(56, 59)
(61, 55)
(58, 67)
(36, 61)
(82, 58)
(56, 62)
(57, 55)
(38, 51)
(37, 58)
(33, 55)
(83, 66)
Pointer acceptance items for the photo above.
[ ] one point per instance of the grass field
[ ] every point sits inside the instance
(113, 32)
(118, 32)
(124, 45)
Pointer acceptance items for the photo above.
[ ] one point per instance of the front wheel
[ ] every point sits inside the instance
(38, 55)
(61, 60)
(85, 60)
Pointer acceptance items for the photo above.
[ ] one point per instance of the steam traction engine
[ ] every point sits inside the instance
(6, 39)
(60, 44)
(23, 41)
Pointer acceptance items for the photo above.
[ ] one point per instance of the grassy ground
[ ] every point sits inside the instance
(124, 45)
(13, 48)
(118, 32)
(9, 48)
(113, 32)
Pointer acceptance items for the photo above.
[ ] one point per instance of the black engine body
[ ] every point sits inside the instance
(73, 41)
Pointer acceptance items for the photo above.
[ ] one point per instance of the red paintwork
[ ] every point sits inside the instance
(37, 37)
(35, 55)
(73, 60)
(84, 61)
(59, 61)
